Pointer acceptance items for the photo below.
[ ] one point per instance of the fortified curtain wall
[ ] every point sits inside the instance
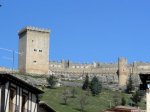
(95, 68)
(4, 69)
(107, 72)
(139, 67)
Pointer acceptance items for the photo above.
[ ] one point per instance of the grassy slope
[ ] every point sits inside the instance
(95, 103)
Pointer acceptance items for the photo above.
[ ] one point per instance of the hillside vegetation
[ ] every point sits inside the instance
(105, 100)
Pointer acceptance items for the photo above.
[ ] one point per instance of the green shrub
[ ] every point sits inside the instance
(52, 80)
(95, 86)
(86, 83)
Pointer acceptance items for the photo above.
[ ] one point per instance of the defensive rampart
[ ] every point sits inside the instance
(107, 72)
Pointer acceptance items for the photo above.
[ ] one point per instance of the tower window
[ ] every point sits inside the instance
(40, 50)
(34, 61)
(35, 50)
(32, 40)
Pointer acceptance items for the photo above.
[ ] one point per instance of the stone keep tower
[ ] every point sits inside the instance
(34, 50)
(122, 71)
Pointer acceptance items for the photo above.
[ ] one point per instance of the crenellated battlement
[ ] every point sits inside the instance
(31, 28)
(69, 64)
(100, 68)
(105, 71)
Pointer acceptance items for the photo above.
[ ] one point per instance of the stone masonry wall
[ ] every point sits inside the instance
(107, 72)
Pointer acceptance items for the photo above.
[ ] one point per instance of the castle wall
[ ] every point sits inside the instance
(4, 69)
(83, 68)
(106, 72)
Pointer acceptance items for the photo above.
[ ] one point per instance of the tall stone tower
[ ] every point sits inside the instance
(34, 50)
(122, 71)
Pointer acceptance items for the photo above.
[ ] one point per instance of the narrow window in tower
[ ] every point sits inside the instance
(34, 61)
(32, 41)
(35, 50)
(40, 50)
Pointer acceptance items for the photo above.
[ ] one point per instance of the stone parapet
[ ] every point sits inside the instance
(33, 29)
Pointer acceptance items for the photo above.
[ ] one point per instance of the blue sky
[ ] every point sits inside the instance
(81, 30)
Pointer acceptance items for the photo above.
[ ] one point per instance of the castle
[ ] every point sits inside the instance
(34, 58)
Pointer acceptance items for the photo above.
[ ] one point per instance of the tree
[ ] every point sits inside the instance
(136, 97)
(86, 83)
(83, 102)
(52, 80)
(95, 86)
(66, 96)
(123, 101)
(73, 92)
(130, 85)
